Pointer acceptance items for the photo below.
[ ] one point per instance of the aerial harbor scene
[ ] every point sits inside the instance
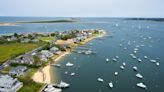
(111, 46)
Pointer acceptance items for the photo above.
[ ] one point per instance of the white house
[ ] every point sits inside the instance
(27, 59)
(55, 50)
(45, 54)
(9, 84)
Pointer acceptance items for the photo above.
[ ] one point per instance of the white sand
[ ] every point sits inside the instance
(43, 75)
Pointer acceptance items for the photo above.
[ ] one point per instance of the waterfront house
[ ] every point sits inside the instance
(9, 84)
(43, 57)
(27, 59)
(55, 50)
(18, 71)
(45, 54)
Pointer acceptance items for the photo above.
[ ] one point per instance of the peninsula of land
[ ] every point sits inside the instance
(28, 57)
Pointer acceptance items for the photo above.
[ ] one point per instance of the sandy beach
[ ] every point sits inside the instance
(43, 75)
(61, 56)
(7, 24)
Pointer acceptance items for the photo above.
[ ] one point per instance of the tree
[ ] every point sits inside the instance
(16, 35)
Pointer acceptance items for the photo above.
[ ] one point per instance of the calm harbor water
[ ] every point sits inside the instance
(149, 35)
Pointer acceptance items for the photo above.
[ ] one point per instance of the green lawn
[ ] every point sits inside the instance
(46, 39)
(10, 50)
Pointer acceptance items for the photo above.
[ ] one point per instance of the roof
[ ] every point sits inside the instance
(18, 68)
(54, 49)
(6, 80)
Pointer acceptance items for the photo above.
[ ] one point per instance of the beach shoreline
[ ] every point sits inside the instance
(43, 75)
(7, 24)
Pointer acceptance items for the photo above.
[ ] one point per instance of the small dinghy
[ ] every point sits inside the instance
(110, 84)
(100, 80)
(157, 63)
(115, 73)
(107, 59)
(135, 68)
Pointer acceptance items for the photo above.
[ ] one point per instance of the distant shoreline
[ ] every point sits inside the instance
(50, 21)
(38, 21)
(149, 19)
(7, 24)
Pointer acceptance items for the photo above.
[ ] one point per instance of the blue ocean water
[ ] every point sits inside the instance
(90, 67)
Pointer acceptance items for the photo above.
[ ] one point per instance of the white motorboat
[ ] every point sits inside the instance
(153, 61)
(65, 72)
(69, 64)
(122, 67)
(110, 84)
(136, 49)
(100, 80)
(116, 73)
(117, 57)
(62, 85)
(141, 85)
(134, 57)
(145, 57)
(107, 59)
(135, 68)
(157, 63)
(124, 64)
(52, 89)
(125, 48)
(139, 60)
(56, 65)
(114, 59)
(138, 75)
(72, 74)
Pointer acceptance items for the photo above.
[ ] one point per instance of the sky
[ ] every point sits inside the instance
(82, 8)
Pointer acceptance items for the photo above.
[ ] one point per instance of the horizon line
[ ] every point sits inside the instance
(82, 16)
